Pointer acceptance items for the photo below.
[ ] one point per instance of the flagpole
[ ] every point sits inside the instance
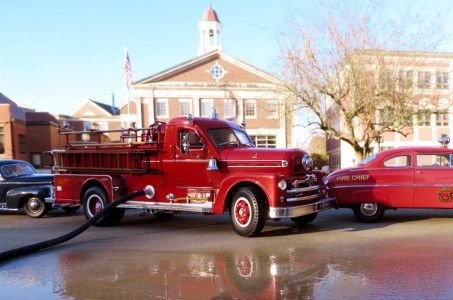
(129, 81)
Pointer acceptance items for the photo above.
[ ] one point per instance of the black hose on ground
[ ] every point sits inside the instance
(10, 254)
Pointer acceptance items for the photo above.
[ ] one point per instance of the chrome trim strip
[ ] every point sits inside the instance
(297, 211)
(205, 208)
(242, 166)
(389, 185)
(310, 197)
(49, 200)
(304, 189)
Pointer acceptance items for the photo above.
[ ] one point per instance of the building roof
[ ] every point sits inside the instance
(113, 110)
(16, 111)
(210, 15)
(191, 64)
(41, 118)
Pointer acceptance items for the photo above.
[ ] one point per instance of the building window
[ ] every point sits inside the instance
(442, 80)
(265, 141)
(185, 107)
(424, 118)
(272, 110)
(87, 126)
(424, 80)
(217, 72)
(405, 79)
(250, 109)
(442, 118)
(205, 107)
(103, 126)
(387, 80)
(162, 108)
(2, 140)
(22, 144)
(230, 108)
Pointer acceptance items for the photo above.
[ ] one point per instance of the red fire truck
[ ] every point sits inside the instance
(195, 165)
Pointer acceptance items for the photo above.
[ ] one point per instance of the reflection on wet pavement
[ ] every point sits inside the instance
(315, 264)
(294, 273)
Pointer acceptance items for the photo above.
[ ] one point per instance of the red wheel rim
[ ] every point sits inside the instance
(242, 212)
(95, 205)
(244, 265)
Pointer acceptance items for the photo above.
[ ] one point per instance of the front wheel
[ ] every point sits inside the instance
(368, 212)
(94, 200)
(248, 212)
(35, 207)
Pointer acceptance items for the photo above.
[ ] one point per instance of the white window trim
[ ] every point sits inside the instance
(234, 103)
(245, 109)
(211, 104)
(185, 101)
(166, 108)
(274, 113)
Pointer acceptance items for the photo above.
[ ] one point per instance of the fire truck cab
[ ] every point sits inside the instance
(195, 165)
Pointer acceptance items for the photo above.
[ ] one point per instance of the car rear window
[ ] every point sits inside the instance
(398, 161)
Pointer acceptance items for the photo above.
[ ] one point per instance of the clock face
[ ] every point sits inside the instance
(217, 71)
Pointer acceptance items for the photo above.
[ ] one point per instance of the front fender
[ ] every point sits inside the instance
(15, 197)
(265, 182)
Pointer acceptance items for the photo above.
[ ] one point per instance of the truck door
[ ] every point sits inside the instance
(188, 170)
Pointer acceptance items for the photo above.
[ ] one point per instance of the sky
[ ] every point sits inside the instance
(57, 54)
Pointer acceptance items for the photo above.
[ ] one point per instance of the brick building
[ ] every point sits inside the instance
(428, 74)
(12, 130)
(240, 92)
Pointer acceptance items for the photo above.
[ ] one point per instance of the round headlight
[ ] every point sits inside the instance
(325, 180)
(282, 184)
(307, 162)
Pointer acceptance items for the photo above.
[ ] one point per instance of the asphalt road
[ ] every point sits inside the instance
(405, 256)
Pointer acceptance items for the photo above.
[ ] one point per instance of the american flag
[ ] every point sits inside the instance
(127, 68)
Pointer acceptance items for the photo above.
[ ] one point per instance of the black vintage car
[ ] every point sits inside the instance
(22, 187)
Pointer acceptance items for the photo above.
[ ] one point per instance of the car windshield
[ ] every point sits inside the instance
(18, 169)
(368, 159)
(224, 137)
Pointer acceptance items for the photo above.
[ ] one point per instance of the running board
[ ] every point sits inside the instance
(174, 206)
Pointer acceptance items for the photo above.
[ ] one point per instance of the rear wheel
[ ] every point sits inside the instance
(35, 207)
(94, 200)
(248, 212)
(368, 212)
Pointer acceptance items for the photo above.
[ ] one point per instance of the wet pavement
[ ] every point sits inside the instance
(405, 256)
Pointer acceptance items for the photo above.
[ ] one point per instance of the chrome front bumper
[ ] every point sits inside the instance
(297, 211)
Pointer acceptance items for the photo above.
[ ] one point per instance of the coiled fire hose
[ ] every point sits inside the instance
(10, 254)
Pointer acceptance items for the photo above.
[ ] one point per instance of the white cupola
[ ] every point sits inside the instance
(210, 32)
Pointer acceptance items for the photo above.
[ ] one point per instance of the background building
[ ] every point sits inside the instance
(240, 92)
(427, 74)
(12, 130)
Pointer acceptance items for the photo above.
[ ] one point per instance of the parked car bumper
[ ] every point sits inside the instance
(297, 211)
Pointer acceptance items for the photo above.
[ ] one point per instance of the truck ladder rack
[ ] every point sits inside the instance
(128, 160)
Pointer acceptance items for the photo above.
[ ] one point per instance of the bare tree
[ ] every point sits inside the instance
(352, 73)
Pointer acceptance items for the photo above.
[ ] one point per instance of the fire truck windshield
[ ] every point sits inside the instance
(225, 137)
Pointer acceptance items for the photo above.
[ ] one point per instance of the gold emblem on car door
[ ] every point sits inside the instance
(445, 195)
